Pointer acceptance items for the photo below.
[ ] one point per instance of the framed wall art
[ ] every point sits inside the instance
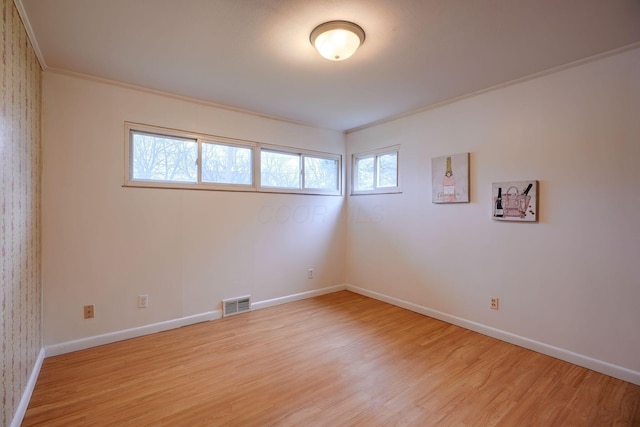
(450, 178)
(515, 201)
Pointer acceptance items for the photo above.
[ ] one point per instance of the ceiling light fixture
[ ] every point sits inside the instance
(337, 40)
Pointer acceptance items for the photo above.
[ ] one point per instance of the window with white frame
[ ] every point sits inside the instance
(303, 171)
(163, 158)
(226, 164)
(158, 157)
(376, 172)
(321, 173)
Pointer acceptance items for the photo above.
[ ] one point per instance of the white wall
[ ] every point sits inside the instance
(104, 244)
(571, 281)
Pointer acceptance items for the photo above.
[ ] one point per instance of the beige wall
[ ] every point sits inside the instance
(104, 244)
(569, 284)
(20, 291)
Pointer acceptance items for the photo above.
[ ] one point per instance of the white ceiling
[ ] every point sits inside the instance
(255, 54)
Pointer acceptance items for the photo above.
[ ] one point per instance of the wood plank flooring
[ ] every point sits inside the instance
(336, 360)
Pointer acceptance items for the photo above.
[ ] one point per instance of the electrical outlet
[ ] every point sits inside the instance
(495, 303)
(310, 273)
(143, 301)
(89, 311)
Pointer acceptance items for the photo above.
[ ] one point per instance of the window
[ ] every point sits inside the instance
(157, 157)
(376, 172)
(173, 159)
(163, 158)
(306, 172)
(279, 170)
(321, 173)
(226, 164)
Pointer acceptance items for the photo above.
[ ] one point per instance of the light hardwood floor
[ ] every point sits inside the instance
(336, 360)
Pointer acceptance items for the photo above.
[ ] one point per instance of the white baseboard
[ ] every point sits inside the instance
(557, 352)
(83, 343)
(296, 297)
(26, 395)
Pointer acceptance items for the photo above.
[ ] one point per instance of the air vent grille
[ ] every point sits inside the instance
(236, 305)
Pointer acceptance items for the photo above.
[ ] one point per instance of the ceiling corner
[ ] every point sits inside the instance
(32, 36)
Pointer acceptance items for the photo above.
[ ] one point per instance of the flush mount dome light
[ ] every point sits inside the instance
(337, 40)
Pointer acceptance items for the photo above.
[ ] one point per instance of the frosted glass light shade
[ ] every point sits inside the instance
(337, 40)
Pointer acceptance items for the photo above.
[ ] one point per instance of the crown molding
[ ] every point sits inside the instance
(29, 29)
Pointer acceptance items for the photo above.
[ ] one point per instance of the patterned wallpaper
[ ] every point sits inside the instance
(20, 164)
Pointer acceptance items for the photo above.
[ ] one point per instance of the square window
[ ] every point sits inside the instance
(226, 164)
(321, 173)
(281, 170)
(163, 158)
(376, 172)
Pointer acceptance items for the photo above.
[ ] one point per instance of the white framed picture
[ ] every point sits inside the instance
(515, 201)
(450, 178)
